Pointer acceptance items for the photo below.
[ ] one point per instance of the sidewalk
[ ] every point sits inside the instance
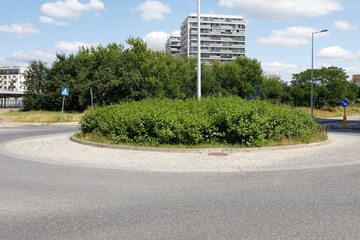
(340, 149)
(58, 149)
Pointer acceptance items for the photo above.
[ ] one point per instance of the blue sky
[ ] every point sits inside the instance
(278, 31)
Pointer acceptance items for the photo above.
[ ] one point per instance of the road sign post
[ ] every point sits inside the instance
(344, 103)
(64, 92)
(257, 88)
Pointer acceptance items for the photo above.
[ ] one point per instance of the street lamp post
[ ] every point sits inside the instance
(312, 70)
(198, 53)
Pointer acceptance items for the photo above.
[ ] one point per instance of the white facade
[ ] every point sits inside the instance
(173, 44)
(222, 37)
(12, 78)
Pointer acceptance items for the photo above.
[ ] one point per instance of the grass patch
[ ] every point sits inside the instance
(39, 116)
(326, 112)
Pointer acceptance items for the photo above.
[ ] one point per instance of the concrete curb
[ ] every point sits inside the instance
(26, 124)
(200, 150)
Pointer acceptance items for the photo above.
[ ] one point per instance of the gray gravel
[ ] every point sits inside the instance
(339, 150)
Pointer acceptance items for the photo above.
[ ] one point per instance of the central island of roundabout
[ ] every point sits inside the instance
(214, 135)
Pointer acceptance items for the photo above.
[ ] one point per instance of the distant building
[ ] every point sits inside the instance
(173, 44)
(222, 37)
(356, 79)
(12, 78)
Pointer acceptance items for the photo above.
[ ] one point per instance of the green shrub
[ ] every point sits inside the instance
(229, 120)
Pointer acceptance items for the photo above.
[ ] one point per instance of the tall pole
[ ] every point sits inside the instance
(312, 70)
(198, 53)
(62, 109)
(92, 99)
(312, 75)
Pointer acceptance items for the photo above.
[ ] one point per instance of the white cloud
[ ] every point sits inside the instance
(336, 53)
(285, 70)
(344, 25)
(72, 46)
(34, 55)
(290, 37)
(22, 58)
(274, 67)
(156, 40)
(52, 21)
(19, 29)
(153, 10)
(71, 9)
(352, 70)
(283, 9)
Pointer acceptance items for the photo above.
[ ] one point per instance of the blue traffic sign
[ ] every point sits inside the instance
(250, 96)
(65, 91)
(344, 103)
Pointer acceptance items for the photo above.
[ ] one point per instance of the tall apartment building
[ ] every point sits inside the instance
(12, 78)
(356, 79)
(173, 44)
(222, 37)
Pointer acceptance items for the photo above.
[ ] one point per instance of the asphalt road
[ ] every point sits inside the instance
(45, 201)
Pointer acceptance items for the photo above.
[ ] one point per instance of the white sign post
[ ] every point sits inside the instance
(64, 92)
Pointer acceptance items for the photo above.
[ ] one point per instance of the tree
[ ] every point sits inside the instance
(234, 76)
(330, 86)
(35, 76)
(297, 93)
(272, 88)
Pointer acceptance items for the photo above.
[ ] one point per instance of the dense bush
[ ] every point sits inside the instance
(212, 120)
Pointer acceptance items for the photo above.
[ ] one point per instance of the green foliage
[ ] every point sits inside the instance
(229, 120)
(272, 88)
(331, 85)
(35, 85)
(116, 74)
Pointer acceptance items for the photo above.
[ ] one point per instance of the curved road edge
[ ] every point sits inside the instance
(59, 149)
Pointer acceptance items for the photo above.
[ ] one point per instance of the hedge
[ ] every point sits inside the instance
(229, 120)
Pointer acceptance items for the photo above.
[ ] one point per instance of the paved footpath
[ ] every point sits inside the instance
(340, 149)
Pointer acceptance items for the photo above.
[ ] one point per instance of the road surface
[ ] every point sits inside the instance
(48, 201)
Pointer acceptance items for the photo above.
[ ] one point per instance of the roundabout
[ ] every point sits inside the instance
(339, 149)
(81, 197)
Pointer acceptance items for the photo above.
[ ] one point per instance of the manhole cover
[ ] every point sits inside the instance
(218, 154)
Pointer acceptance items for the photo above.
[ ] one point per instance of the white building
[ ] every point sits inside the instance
(173, 44)
(12, 78)
(222, 37)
